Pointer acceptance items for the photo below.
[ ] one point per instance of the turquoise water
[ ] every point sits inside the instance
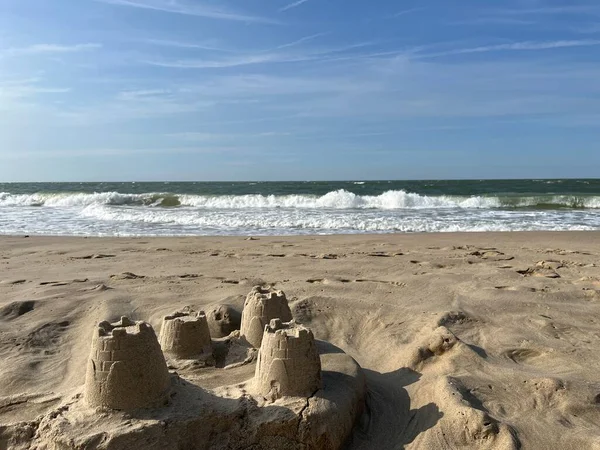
(197, 208)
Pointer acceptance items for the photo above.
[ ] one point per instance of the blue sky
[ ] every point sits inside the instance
(309, 89)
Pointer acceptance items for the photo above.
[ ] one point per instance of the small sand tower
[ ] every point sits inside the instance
(185, 334)
(261, 306)
(126, 369)
(288, 362)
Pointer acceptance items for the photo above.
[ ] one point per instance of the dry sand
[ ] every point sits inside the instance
(467, 340)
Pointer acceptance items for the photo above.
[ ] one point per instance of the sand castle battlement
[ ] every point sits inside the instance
(185, 334)
(261, 306)
(126, 368)
(288, 361)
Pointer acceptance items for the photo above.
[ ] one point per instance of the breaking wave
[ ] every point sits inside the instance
(339, 199)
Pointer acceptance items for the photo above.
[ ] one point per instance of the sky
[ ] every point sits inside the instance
(200, 90)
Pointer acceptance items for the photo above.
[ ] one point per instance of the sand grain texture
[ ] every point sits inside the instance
(466, 340)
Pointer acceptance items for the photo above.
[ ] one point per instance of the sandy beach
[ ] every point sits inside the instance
(478, 340)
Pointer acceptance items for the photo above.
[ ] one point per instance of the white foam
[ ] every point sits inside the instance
(315, 221)
(341, 211)
(340, 199)
(70, 199)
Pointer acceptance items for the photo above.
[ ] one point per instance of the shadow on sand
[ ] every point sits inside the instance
(388, 420)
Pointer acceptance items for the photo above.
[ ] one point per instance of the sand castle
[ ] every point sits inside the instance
(185, 334)
(261, 306)
(126, 369)
(288, 362)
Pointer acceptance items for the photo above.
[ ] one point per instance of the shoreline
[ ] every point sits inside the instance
(268, 236)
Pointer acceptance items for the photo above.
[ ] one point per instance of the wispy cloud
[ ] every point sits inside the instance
(292, 5)
(588, 29)
(196, 9)
(301, 40)
(264, 57)
(194, 136)
(508, 21)
(549, 10)
(210, 45)
(23, 89)
(516, 46)
(50, 49)
(103, 152)
(407, 11)
(237, 61)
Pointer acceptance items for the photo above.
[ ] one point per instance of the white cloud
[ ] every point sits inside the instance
(551, 10)
(508, 21)
(292, 5)
(406, 11)
(25, 89)
(196, 9)
(50, 49)
(203, 137)
(301, 40)
(515, 46)
(112, 152)
(265, 57)
(206, 45)
(236, 61)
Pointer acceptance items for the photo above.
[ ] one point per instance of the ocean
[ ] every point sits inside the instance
(293, 208)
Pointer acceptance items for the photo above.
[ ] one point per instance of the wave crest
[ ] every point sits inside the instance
(340, 199)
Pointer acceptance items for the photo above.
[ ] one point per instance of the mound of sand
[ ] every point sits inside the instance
(131, 401)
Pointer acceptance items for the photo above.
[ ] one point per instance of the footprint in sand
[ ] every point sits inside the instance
(562, 252)
(346, 280)
(385, 254)
(521, 288)
(98, 288)
(187, 276)
(455, 317)
(325, 256)
(126, 276)
(45, 337)
(317, 281)
(13, 282)
(95, 256)
(541, 269)
(63, 283)
(16, 309)
(522, 355)
(492, 255)
(393, 283)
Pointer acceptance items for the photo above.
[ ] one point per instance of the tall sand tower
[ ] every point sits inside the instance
(261, 306)
(185, 335)
(126, 369)
(288, 362)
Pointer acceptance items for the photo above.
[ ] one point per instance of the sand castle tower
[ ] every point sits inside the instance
(126, 369)
(288, 362)
(261, 306)
(185, 334)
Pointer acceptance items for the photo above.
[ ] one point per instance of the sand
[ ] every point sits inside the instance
(466, 340)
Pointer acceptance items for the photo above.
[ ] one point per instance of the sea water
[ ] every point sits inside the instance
(288, 208)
